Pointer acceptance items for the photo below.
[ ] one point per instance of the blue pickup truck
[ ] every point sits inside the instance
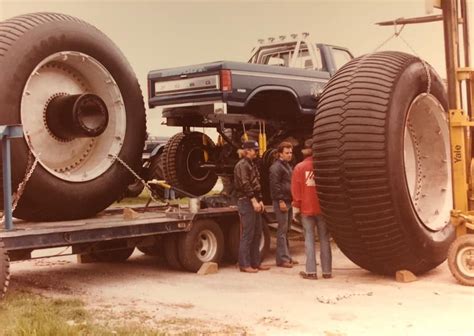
(275, 93)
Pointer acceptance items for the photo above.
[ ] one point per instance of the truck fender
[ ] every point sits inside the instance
(273, 88)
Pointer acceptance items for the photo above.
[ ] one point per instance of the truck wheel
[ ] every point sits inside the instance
(113, 256)
(4, 270)
(182, 156)
(170, 246)
(233, 242)
(153, 250)
(155, 171)
(79, 103)
(461, 259)
(204, 243)
(382, 163)
(135, 189)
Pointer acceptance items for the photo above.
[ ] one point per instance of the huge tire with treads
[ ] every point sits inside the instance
(181, 159)
(382, 163)
(48, 58)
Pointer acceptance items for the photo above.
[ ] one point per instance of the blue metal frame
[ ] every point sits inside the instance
(8, 132)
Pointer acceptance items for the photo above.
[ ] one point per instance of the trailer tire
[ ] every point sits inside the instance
(233, 242)
(47, 55)
(181, 157)
(112, 256)
(170, 248)
(382, 163)
(4, 270)
(461, 259)
(204, 243)
(153, 250)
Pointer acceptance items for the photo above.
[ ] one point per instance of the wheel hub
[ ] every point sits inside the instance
(426, 161)
(76, 116)
(465, 260)
(73, 116)
(206, 247)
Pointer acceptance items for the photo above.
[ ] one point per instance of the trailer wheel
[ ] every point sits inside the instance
(111, 252)
(153, 250)
(182, 156)
(79, 103)
(233, 242)
(204, 243)
(170, 246)
(4, 270)
(382, 163)
(461, 259)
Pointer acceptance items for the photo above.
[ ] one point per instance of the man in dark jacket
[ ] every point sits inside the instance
(280, 192)
(249, 195)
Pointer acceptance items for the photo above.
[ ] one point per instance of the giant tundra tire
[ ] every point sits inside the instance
(382, 163)
(48, 62)
(182, 158)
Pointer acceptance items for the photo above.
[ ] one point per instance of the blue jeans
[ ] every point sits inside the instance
(251, 223)
(325, 254)
(284, 223)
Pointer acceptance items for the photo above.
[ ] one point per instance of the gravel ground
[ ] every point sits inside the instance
(276, 302)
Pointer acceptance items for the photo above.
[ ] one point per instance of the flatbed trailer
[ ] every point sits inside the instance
(187, 240)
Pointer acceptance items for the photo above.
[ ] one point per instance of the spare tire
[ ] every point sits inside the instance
(382, 163)
(182, 157)
(53, 63)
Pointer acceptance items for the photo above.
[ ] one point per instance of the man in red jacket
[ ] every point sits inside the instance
(306, 203)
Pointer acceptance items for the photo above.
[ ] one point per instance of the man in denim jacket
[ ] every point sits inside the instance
(280, 192)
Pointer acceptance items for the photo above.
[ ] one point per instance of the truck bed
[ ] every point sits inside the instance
(108, 225)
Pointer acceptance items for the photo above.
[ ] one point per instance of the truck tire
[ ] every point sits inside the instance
(135, 189)
(155, 171)
(48, 58)
(461, 259)
(181, 158)
(233, 242)
(112, 252)
(4, 270)
(204, 243)
(382, 163)
(170, 248)
(152, 251)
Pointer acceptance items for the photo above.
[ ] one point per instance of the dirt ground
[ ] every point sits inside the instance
(276, 302)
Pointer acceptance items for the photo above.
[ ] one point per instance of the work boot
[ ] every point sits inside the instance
(286, 265)
(309, 276)
(263, 267)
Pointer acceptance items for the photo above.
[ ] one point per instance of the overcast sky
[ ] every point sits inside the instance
(159, 34)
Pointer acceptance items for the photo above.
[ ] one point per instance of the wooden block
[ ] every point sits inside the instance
(208, 268)
(405, 276)
(130, 213)
(84, 259)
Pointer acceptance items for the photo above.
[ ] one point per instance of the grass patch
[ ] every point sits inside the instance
(27, 314)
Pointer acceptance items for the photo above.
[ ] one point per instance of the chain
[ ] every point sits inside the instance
(21, 187)
(397, 33)
(138, 177)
